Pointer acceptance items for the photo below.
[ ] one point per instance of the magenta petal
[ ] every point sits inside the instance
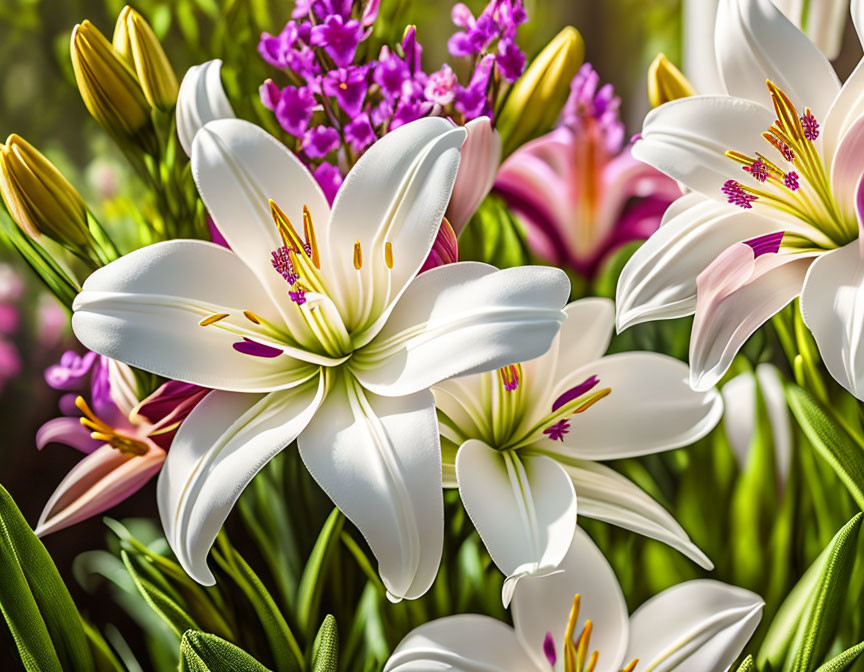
(249, 347)
(68, 431)
(767, 244)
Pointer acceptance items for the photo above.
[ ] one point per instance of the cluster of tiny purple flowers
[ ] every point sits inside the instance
(336, 104)
(592, 109)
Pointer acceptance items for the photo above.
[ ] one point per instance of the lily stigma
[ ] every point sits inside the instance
(798, 184)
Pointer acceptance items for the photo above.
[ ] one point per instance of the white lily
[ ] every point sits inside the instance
(740, 417)
(697, 626)
(529, 439)
(747, 242)
(201, 99)
(825, 21)
(325, 337)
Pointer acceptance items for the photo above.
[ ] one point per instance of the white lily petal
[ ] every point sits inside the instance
(606, 495)
(659, 280)
(848, 165)
(201, 99)
(754, 41)
(687, 139)
(463, 643)
(379, 460)
(696, 626)
(846, 109)
(144, 308)
(825, 22)
(524, 508)
(395, 194)
(238, 168)
(542, 605)
(832, 304)
(219, 448)
(651, 408)
(739, 420)
(700, 63)
(737, 294)
(463, 318)
(585, 335)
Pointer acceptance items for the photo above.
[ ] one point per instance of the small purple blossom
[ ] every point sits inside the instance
(71, 372)
(412, 50)
(557, 431)
(596, 107)
(320, 141)
(359, 133)
(329, 179)
(472, 101)
(510, 60)
(295, 108)
(348, 86)
(441, 86)
(339, 38)
(408, 111)
(811, 126)
(791, 180)
(269, 93)
(391, 74)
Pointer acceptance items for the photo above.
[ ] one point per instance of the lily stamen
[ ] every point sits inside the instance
(107, 434)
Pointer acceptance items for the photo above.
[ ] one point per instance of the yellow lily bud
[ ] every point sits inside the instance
(536, 99)
(39, 198)
(135, 41)
(110, 88)
(666, 82)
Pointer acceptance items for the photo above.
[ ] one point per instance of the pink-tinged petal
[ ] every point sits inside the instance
(848, 165)
(68, 431)
(743, 288)
(101, 480)
(846, 109)
(481, 155)
(445, 249)
(166, 408)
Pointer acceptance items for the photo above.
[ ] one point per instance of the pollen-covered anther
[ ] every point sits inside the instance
(252, 317)
(212, 319)
(631, 665)
(298, 296)
(758, 170)
(737, 195)
(358, 255)
(557, 431)
(790, 180)
(311, 242)
(388, 254)
(510, 377)
(810, 125)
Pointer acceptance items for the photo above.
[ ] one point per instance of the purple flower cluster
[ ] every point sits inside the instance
(594, 109)
(336, 103)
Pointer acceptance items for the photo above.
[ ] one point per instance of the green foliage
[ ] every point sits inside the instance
(494, 236)
(43, 619)
(325, 649)
(203, 652)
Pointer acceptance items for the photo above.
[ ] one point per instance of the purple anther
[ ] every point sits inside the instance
(767, 244)
(557, 431)
(791, 180)
(281, 261)
(250, 347)
(549, 649)
(811, 126)
(298, 297)
(758, 170)
(737, 196)
(575, 392)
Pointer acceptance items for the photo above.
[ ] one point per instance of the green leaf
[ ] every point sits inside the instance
(312, 581)
(325, 649)
(493, 236)
(202, 652)
(172, 613)
(832, 442)
(818, 624)
(43, 619)
(286, 651)
(104, 656)
(842, 661)
(747, 665)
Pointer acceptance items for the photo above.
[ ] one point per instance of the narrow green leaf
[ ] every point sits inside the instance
(818, 624)
(203, 652)
(493, 236)
(43, 619)
(283, 644)
(325, 649)
(104, 658)
(832, 442)
(842, 661)
(172, 613)
(312, 580)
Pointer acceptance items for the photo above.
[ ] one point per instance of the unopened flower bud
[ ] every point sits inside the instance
(110, 88)
(136, 42)
(666, 82)
(536, 99)
(39, 198)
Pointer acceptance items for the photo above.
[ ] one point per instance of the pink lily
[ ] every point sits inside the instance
(577, 190)
(125, 441)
